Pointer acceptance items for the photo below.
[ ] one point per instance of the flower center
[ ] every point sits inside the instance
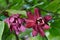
(40, 21)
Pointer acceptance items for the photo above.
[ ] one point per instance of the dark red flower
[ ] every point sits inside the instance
(15, 23)
(37, 22)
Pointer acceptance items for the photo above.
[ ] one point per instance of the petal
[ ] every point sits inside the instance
(19, 20)
(17, 32)
(29, 23)
(30, 16)
(46, 27)
(36, 12)
(41, 32)
(35, 27)
(47, 18)
(22, 28)
(14, 24)
(11, 19)
(7, 21)
(15, 15)
(14, 28)
(11, 27)
(34, 33)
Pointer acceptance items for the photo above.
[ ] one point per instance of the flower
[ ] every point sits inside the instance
(15, 23)
(37, 22)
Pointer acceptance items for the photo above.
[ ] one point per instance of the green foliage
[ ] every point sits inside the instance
(11, 37)
(11, 11)
(18, 4)
(53, 6)
(1, 29)
(6, 32)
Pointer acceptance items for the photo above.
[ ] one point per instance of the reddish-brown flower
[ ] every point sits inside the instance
(15, 23)
(37, 22)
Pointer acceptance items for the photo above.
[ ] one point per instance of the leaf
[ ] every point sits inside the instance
(22, 12)
(54, 38)
(27, 32)
(18, 5)
(38, 37)
(1, 28)
(35, 1)
(2, 3)
(51, 37)
(11, 37)
(2, 17)
(53, 6)
(6, 32)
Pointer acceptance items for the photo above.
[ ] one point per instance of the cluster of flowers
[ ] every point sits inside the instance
(34, 21)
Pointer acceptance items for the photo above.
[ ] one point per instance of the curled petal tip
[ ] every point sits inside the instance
(46, 27)
(22, 28)
(48, 17)
(34, 33)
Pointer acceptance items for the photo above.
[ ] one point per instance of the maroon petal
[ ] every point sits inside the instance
(41, 32)
(36, 12)
(34, 33)
(46, 27)
(29, 23)
(30, 16)
(47, 18)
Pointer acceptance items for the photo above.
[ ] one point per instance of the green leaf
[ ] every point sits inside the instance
(53, 6)
(54, 38)
(6, 32)
(51, 37)
(22, 12)
(55, 28)
(27, 32)
(2, 17)
(3, 3)
(1, 28)
(35, 1)
(11, 37)
(18, 5)
(38, 37)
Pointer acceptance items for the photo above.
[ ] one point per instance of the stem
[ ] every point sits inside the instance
(17, 38)
(45, 38)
